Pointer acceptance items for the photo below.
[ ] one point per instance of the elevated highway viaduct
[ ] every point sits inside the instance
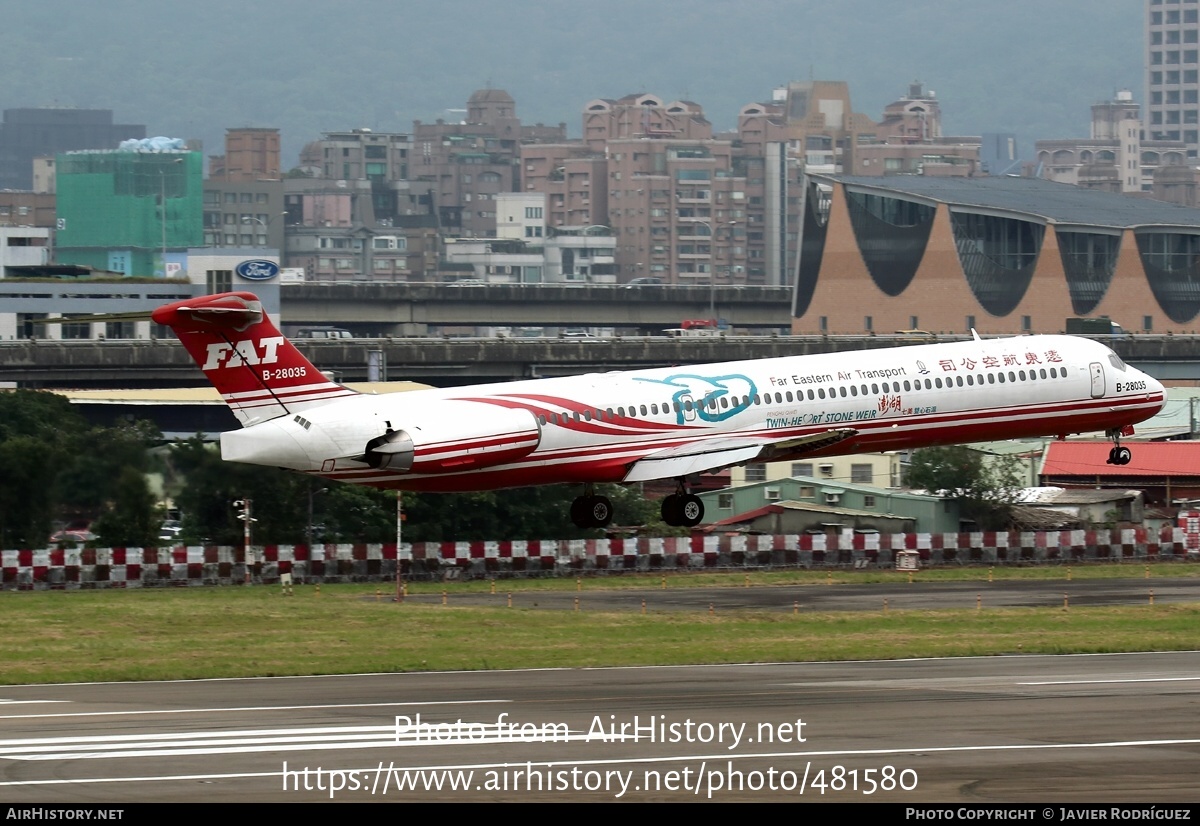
(456, 361)
(371, 309)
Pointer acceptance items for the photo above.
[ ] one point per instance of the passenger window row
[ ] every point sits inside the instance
(716, 403)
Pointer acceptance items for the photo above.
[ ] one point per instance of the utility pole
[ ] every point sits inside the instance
(399, 545)
(244, 515)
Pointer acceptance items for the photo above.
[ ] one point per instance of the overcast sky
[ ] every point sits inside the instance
(193, 70)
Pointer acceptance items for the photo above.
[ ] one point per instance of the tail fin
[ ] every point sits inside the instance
(260, 374)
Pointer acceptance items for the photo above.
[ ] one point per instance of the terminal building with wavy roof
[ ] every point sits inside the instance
(997, 254)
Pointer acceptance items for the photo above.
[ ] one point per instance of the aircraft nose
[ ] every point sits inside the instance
(1155, 388)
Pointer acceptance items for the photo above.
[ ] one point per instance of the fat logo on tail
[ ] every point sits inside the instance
(258, 372)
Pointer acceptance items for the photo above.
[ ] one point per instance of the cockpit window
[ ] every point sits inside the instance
(1116, 362)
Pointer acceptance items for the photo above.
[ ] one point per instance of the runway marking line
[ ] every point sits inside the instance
(1124, 680)
(476, 673)
(637, 761)
(247, 741)
(243, 708)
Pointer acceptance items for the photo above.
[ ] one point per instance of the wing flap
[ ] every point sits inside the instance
(670, 467)
(714, 454)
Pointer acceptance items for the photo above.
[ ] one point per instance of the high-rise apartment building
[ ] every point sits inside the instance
(470, 163)
(243, 213)
(814, 118)
(642, 115)
(356, 214)
(1116, 157)
(677, 210)
(688, 206)
(810, 127)
(334, 234)
(379, 158)
(805, 127)
(251, 154)
(1173, 72)
(650, 170)
(243, 195)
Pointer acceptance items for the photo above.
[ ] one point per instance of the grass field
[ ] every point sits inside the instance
(56, 636)
(703, 579)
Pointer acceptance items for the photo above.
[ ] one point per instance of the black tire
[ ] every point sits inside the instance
(1123, 456)
(691, 510)
(671, 507)
(580, 512)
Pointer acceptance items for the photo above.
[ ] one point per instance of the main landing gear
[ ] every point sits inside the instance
(1118, 455)
(682, 509)
(590, 510)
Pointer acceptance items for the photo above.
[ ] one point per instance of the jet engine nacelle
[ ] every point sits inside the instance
(449, 445)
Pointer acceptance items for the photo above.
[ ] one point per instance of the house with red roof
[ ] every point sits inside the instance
(1167, 472)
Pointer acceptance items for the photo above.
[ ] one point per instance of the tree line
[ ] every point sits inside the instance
(283, 501)
(59, 469)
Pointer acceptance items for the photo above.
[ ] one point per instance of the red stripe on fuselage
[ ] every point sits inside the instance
(610, 462)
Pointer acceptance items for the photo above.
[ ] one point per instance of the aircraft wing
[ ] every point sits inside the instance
(714, 454)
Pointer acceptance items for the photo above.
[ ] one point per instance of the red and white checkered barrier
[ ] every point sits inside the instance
(223, 565)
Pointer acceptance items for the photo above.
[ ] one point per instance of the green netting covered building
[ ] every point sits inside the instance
(119, 210)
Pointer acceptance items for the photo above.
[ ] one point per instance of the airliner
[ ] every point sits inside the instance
(642, 425)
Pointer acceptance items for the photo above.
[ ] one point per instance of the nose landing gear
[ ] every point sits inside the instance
(1118, 455)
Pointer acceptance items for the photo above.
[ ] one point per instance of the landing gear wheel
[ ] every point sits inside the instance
(682, 510)
(591, 511)
(1120, 456)
(691, 510)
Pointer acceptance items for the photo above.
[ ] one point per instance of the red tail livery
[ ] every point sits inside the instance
(259, 373)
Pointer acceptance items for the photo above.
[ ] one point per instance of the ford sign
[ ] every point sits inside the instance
(257, 270)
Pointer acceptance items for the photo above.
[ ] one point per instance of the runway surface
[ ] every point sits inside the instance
(1088, 729)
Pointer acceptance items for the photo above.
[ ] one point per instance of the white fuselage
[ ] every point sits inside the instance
(596, 427)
